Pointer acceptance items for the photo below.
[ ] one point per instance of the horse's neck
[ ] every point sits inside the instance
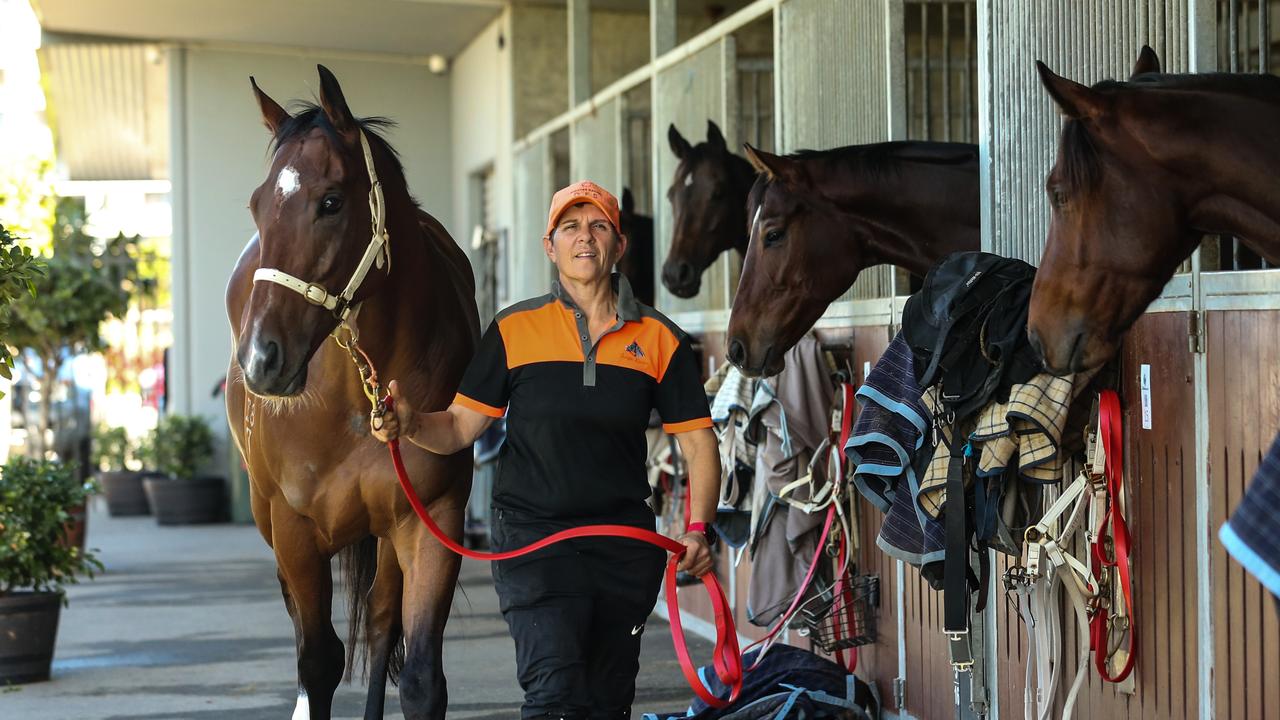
(1237, 166)
(421, 312)
(915, 217)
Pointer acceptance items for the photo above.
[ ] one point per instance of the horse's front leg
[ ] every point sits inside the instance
(307, 584)
(430, 575)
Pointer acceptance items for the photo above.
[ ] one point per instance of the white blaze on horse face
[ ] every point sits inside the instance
(287, 182)
(302, 711)
(755, 220)
(688, 179)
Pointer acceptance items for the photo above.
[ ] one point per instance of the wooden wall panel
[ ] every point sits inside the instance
(1244, 414)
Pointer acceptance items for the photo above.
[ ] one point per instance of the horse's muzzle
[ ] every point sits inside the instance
(681, 278)
(266, 372)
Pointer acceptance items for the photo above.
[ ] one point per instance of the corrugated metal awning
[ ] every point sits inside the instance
(108, 107)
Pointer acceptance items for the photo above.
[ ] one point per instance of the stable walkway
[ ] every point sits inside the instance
(188, 623)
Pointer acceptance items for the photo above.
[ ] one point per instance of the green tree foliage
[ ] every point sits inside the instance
(86, 281)
(36, 501)
(19, 270)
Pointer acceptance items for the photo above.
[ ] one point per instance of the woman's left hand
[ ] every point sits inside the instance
(697, 556)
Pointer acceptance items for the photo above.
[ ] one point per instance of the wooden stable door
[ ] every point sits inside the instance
(1243, 352)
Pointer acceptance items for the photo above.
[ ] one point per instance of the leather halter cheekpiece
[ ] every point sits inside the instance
(378, 252)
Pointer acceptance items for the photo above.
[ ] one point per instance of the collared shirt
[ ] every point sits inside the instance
(577, 410)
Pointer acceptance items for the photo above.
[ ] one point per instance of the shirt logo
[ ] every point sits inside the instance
(634, 349)
(637, 629)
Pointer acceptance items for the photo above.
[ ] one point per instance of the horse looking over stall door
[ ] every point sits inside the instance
(334, 212)
(1145, 169)
(818, 219)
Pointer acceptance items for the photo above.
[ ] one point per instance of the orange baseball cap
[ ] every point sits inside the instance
(582, 192)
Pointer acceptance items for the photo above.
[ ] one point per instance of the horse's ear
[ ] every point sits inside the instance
(1147, 62)
(715, 138)
(679, 145)
(273, 116)
(1073, 99)
(335, 105)
(628, 202)
(774, 167)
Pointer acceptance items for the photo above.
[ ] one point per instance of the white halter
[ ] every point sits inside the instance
(378, 252)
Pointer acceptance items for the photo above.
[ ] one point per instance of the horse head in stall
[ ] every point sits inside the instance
(343, 249)
(1145, 168)
(818, 219)
(637, 263)
(707, 195)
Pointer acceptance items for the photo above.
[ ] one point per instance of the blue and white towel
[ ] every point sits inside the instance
(887, 436)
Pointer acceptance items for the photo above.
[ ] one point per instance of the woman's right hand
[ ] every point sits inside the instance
(400, 421)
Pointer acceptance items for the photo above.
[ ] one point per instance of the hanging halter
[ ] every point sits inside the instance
(378, 252)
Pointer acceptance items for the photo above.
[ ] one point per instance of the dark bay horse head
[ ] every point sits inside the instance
(1144, 169)
(315, 224)
(818, 219)
(637, 263)
(707, 197)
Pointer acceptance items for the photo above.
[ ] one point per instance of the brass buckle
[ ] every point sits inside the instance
(315, 294)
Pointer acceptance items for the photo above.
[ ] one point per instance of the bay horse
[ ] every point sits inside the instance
(320, 483)
(637, 263)
(1145, 168)
(819, 218)
(707, 195)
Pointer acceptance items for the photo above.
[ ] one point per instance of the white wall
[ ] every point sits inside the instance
(480, 91)
(220, 154)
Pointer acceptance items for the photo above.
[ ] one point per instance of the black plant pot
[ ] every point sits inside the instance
(124, 492)
(190, 501)
(28, 629)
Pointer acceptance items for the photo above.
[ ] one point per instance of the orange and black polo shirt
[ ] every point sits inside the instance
(577, 411)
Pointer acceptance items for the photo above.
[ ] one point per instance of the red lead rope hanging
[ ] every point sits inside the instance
(727, 659)
(838, 606)
(1111, 429)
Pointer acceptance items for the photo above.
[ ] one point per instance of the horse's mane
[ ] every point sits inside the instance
(879, 159)
(306, 116)
(1081, 166)
(1241, 83)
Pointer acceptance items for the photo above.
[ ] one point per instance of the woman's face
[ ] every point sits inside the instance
(585, 246)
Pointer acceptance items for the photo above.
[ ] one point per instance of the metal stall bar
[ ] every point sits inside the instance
(639, 76)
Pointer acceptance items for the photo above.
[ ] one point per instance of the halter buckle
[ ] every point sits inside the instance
(315, 294)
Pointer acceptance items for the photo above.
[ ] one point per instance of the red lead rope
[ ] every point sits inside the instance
(1109, 426)
(727, 660)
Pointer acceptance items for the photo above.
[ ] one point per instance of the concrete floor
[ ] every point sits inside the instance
(188, 623)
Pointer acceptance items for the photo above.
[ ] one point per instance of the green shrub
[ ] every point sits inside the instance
(36, 500)
(181, 445)
(110, 448)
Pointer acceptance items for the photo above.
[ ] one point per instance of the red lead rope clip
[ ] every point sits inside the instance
(727, 659)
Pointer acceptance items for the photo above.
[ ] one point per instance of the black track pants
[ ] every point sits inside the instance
(577, 612)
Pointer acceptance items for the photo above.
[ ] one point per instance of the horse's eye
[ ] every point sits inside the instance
(331, 204)
(1058, 197)
(773, 238)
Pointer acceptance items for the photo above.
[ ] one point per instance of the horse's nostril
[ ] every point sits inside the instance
(270, 356)
(684, 273)
(1033, 337)
(737, 352)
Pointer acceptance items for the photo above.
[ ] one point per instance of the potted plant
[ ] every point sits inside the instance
(121, 486)
(36, 561)
(181, 446)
